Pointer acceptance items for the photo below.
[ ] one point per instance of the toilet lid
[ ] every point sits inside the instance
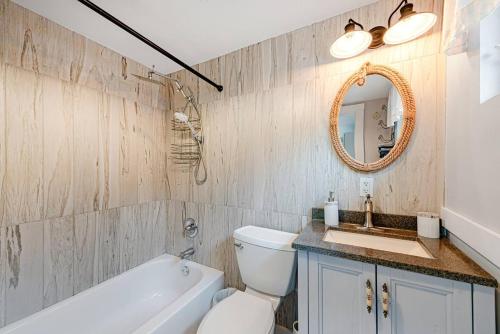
(239, 313)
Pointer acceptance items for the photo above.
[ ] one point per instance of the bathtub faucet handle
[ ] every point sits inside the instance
(190, 228)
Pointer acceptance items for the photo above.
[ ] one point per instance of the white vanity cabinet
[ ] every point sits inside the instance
(417, 303)
(338, 296)
(333, 298)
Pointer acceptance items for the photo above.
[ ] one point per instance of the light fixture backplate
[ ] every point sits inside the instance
(378, 37)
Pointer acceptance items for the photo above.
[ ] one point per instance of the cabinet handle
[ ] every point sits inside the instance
(385, 300)
(369, 296)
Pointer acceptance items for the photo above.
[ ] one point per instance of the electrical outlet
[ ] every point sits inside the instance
(366, 186)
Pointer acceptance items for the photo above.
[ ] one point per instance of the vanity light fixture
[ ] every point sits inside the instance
(352, 42)
(410, 26)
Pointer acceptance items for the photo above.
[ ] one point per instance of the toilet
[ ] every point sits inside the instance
(267, 264)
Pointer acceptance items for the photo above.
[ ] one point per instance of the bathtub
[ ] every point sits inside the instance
(155, 297)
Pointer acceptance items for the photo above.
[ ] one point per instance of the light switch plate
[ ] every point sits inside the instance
(366, 186)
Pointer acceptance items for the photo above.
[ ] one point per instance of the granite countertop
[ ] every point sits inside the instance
(448, 262)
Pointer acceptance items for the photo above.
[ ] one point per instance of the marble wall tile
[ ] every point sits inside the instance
(251, 69)
(40, 45)
(147, 153)
(108, 238)
(232, 74)
(214, 70)
(159, 228)
(3, 268)
(246, 151)
(276, 61)
(302, 145)
(152, 229)
(143, 224)
(130, 249)
(58, 103)
(3, 4)
(234, 219)
(203, 215)
(24, 276)
(303, 54)
(86, 150)
(161, 186)
(143, 232)
(58, 260)
(23, 186)
(29, 44)
(128, 151)
(176, 213)
(109, 151)
(86, 252)
(3, 143)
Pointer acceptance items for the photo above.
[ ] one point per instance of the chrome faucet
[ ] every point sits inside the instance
(186, 254)
(368, 212)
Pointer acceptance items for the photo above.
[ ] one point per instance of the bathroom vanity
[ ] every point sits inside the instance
(388, 280)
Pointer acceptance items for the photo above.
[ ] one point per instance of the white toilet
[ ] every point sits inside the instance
(267, 264)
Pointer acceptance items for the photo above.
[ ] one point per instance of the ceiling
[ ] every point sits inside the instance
(192, 30)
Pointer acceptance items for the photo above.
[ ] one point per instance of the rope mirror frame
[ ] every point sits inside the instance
(409, 113)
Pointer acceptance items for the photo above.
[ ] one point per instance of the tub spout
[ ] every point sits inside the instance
(187, 253)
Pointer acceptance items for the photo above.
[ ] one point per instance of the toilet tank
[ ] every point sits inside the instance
(266, 259)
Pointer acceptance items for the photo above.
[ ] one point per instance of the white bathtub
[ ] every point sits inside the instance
(152, 298)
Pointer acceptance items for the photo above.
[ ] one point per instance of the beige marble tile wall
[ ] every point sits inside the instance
(83, 158)
(268, 149)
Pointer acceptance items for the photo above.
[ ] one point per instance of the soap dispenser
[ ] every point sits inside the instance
(331, 211)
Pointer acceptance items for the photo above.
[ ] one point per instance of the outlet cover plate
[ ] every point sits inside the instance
(366, 186)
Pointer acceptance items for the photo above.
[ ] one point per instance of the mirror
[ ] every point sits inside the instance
(372, 118)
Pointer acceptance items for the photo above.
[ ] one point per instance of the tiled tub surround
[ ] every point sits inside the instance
(51, 260)
(448, 261)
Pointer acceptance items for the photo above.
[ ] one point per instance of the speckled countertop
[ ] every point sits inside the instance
(449, 262)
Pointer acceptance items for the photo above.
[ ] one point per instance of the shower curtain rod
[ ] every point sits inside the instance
(145, 40)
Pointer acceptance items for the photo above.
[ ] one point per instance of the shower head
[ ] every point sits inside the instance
(181, 117)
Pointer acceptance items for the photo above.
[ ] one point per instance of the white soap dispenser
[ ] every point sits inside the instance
(331, 211)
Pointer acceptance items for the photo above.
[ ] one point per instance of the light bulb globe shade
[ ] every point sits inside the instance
(409, 28)
(351, 44)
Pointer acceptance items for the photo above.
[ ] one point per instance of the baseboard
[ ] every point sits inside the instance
(483, 240)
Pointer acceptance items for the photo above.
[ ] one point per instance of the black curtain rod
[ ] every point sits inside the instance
(143, 39)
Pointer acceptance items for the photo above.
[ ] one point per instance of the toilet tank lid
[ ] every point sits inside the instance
(265, 237)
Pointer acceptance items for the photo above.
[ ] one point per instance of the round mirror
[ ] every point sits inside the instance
(372, 118)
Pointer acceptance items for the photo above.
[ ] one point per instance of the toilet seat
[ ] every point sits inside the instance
(239, 313)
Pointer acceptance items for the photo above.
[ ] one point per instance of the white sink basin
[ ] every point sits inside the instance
(409, 247)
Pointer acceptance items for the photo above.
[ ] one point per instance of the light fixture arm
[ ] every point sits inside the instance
(351, 25)
(405, 2)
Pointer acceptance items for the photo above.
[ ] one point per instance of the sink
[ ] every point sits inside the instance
(408, 247)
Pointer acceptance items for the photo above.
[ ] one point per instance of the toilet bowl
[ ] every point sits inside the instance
(267, 264)
(240, 313)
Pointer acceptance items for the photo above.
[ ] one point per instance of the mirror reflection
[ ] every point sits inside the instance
(370, 119)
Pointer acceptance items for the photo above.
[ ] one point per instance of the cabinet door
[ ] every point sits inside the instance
(338, 296)
(419, 304)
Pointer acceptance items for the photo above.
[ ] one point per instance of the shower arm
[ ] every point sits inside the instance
(114, 20)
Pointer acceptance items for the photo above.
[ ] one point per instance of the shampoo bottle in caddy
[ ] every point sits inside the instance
(331, 211)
